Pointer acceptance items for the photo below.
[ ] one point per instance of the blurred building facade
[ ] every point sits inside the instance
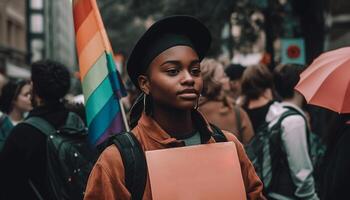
(51, 31)
(32, 30)
(13, 50)
(60, 37)
(337, 24)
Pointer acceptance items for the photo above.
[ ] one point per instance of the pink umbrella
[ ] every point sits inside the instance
(326, 82)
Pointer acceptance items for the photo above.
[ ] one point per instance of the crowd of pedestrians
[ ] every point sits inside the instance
(184, 99)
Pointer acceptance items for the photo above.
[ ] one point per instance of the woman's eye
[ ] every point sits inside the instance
(196, 71)
(172, 72)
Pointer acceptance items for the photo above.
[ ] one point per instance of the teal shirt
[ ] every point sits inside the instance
(5, 129)
(195, 139)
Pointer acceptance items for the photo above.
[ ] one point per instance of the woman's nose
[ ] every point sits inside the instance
(187, 78)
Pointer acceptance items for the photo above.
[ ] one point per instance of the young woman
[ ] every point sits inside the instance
(14, 104)
(15, 99)
(217, 107)
(165, 66)
(258, 94)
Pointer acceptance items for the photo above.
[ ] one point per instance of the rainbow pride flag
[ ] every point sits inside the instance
(102, 86)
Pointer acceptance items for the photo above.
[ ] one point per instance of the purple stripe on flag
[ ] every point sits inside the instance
(116, 127)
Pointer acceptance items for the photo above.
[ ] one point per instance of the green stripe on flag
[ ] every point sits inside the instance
(98, 99)
(111, 61)
(97, 73)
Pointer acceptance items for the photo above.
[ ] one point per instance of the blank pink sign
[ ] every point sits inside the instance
(201, 172)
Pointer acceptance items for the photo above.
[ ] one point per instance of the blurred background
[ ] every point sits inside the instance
(244, 31)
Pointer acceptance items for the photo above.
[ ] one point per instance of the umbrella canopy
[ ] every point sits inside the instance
(326, 82)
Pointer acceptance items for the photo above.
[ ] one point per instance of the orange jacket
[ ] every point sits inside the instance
(225, 118)
(107, 179)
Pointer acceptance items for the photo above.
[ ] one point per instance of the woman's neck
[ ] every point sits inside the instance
(15, 115)
(173, 121)
(264, 99)
(297, 100)
(261, 101)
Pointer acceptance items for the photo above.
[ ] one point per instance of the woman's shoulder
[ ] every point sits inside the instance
(110, 156)
(110, 160)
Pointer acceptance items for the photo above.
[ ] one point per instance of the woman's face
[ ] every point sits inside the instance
(23, 102)
(174, 78)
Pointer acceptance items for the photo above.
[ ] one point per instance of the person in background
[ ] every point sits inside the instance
(15, 99)
(235, 73)
(293, 176)
(14, 105)
(23, 158)
(257, 93)
(336, 174)
(217, 107)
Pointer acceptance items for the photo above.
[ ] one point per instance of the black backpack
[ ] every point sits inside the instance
(268, 158)
(134, 160)
(69, 157)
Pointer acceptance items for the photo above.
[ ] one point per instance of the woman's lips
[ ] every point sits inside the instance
(189, 94)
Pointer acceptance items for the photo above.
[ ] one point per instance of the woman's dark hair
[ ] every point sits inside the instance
(255, 80)
(51, 80)
(285, 79)
(10, 92)
(234, 71)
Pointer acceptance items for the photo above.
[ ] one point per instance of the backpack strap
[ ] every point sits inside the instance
(46, 128)
(218, 135)
(41, 124)
(73, 121)
(134, 162)
(294, 111)
(238, 121)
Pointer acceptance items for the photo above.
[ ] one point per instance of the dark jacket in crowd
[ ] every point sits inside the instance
(258, 115)
(337, 173)
(24, 156)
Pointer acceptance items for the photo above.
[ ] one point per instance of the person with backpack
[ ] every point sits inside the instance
(257, 94)
(23, 159)
(218, 108)
(291, 168)
(165, 66)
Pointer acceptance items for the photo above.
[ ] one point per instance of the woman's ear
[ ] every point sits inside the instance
(268, 94)
(144, 84)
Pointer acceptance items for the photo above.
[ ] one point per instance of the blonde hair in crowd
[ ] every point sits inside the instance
(212, 71)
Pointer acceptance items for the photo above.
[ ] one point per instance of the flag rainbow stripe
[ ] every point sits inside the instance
(101, 82)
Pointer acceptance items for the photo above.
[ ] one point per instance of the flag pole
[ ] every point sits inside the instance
(127, 128)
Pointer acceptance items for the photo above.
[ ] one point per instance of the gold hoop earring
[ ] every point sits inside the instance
(144, 101)
(197, 103)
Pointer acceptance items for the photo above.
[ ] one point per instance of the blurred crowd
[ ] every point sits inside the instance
(294, 161)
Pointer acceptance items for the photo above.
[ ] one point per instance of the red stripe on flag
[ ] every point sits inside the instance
(86, 31)
(81, 10)
(98, 18)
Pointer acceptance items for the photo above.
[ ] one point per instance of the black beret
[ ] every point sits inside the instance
(164, 34)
